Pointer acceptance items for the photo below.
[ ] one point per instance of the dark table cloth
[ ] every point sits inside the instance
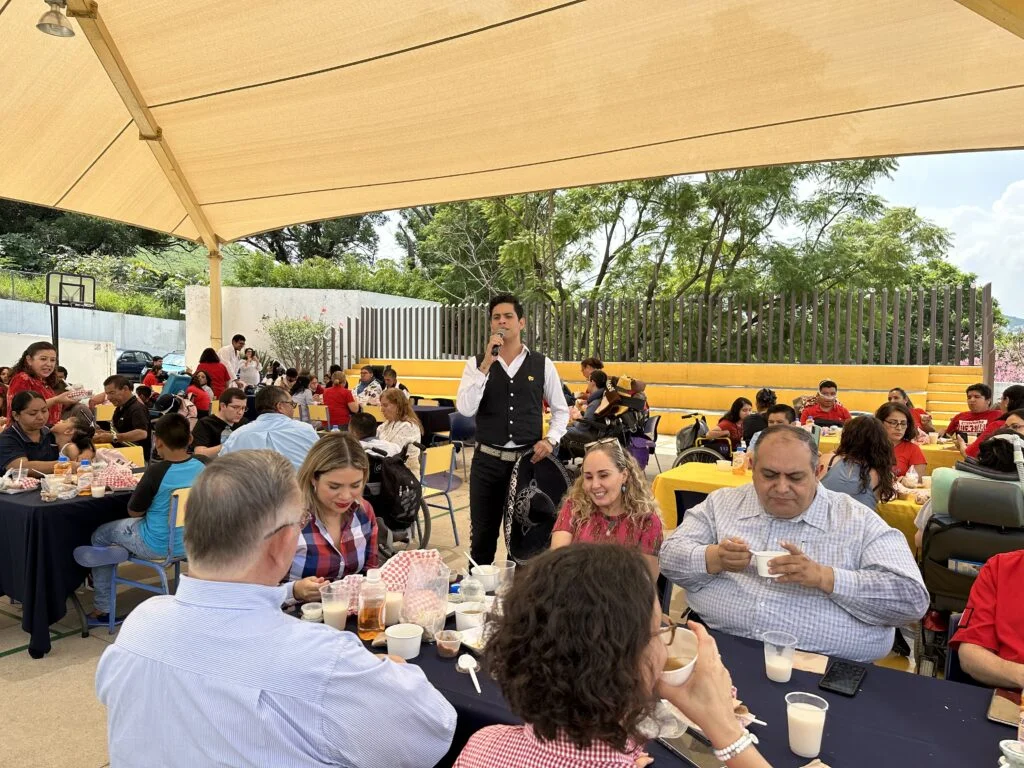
(37, 564)
(434, 419)
(897, 719)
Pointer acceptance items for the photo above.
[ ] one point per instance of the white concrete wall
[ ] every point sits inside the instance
(88, 362)
(243, 310)
(155, 335)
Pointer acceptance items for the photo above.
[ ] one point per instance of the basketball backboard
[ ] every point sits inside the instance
(64, 290)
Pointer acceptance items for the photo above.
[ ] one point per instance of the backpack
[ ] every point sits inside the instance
(400, 497)
(177, 404)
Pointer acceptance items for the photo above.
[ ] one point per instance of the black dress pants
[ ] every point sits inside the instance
(489, 479)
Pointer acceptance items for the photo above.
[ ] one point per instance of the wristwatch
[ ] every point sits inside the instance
(554, 443)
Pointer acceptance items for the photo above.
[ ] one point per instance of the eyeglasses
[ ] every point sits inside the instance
(899, 424)
(667, 632)
(603, 441)
(302, 522)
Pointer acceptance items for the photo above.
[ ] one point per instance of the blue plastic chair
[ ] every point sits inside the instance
(461, 431)
(96, 557)
(176, 384)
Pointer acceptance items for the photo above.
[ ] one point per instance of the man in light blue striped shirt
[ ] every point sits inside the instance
(274, 428)
(848, 578)
(217, 675)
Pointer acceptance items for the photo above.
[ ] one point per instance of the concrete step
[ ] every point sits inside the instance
(953, 378)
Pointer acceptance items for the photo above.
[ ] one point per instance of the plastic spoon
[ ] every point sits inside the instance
(468, 664)
(470, 558)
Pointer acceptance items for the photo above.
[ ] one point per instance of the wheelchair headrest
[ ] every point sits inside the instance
(972, 466)
(977, 500)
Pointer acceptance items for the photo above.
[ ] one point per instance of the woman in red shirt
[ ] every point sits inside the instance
(340, 401)
(900, 429)
(199, 395)
(730, 426)
(216, 373)
(36, 372)
(610, 502)
(922, 419)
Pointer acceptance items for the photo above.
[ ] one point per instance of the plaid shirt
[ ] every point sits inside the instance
(877, 583)
(317, 555)
(516, 746)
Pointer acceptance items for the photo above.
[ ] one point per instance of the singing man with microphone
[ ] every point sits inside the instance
(505, 389)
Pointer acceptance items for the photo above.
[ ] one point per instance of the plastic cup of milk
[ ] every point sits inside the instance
(335, 597)
(778, 655)
(806, 715)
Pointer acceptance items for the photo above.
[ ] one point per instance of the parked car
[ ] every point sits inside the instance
(132, 362)
(174, 362)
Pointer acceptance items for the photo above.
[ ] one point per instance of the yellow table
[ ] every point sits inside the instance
(705, 478)
(935, 455)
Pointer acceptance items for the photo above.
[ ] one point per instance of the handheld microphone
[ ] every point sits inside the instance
(496, 347)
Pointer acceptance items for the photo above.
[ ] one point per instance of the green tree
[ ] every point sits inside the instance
(331, 238)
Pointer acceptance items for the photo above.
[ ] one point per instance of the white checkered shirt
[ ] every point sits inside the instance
(877, 583)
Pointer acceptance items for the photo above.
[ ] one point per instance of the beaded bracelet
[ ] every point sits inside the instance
(736, 747)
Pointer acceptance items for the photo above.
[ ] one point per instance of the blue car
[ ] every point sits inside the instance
(174, 362)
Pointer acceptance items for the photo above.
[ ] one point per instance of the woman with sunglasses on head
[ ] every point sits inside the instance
(339, 536)
(922, 419)
(578, 650)
(1011, 402)
(610, 502)
(899, 426)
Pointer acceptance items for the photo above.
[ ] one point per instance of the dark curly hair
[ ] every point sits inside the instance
(569, 647)
(888, 409)
(865, 443)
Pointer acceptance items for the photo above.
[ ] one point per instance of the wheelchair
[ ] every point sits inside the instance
(983, 516)
(692, 444)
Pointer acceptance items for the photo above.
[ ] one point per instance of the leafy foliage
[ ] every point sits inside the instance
(294, 339)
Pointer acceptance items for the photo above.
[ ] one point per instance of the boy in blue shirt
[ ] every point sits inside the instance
(146, 533)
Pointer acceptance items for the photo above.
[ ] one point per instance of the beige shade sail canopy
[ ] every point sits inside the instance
(213, 121)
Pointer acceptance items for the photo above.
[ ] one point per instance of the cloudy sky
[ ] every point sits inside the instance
(979, 196)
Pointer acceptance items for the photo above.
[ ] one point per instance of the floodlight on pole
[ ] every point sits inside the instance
(54, 22)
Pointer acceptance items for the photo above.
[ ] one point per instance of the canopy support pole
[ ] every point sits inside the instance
(216, 315)
(1008, 14)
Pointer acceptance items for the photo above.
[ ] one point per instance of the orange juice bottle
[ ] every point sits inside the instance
(373, 597)
(739, 459)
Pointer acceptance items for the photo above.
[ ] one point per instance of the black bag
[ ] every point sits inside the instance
(398, 502)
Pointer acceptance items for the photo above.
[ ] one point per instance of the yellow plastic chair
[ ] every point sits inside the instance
(440, 460)
(104, 412)
(428, 403)
(375, 411)
(215, 407)
(319, 413)
(179, 504)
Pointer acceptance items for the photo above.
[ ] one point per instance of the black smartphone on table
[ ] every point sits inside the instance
(843, 677)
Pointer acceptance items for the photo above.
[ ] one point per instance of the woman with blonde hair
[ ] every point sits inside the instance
(401, 425)
(339, 532)
(610, 502)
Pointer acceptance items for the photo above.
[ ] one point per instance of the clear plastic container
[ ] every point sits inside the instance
(373, 597)
(472, 590)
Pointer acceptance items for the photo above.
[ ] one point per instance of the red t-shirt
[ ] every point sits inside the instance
(734, 430)
(917, 413)
(615, 530)
(199, 397)
(835, 413)
(150, 380)
(974, 448)
(972, 423)
(907, 455)
(994, 616)
(23, 382)
(337, 399)
(218, 376)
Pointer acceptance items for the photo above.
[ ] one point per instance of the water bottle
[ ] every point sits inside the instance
(373, 597)
(85, 474)
(62, 468)
(739, 459)
(809, 426)
(335, 428)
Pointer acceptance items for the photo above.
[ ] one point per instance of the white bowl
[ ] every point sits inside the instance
(487, 575)
(683, 646)
(469, 615)
(761, 559)
(404, 640)
(723, 465)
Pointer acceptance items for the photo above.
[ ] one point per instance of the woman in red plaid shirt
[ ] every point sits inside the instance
(341, 535)
(578, 650)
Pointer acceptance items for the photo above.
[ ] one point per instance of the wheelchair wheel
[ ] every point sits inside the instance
(699, 454)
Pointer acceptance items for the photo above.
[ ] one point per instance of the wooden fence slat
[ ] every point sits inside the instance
(825, 346)
(958, 325)
(860, 328)
(920, 326)
(908, 320)
(933, 327)
(973, 352)
(850, 329)
(945, 335)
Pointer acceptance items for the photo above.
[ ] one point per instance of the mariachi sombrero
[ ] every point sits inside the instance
(531, 507)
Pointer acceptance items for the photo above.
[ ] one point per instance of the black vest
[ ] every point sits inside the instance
(512, 409)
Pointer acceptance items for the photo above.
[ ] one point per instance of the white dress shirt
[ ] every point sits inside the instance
(231, 359)
(877, 583)
(217, 674)
(471, 392)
